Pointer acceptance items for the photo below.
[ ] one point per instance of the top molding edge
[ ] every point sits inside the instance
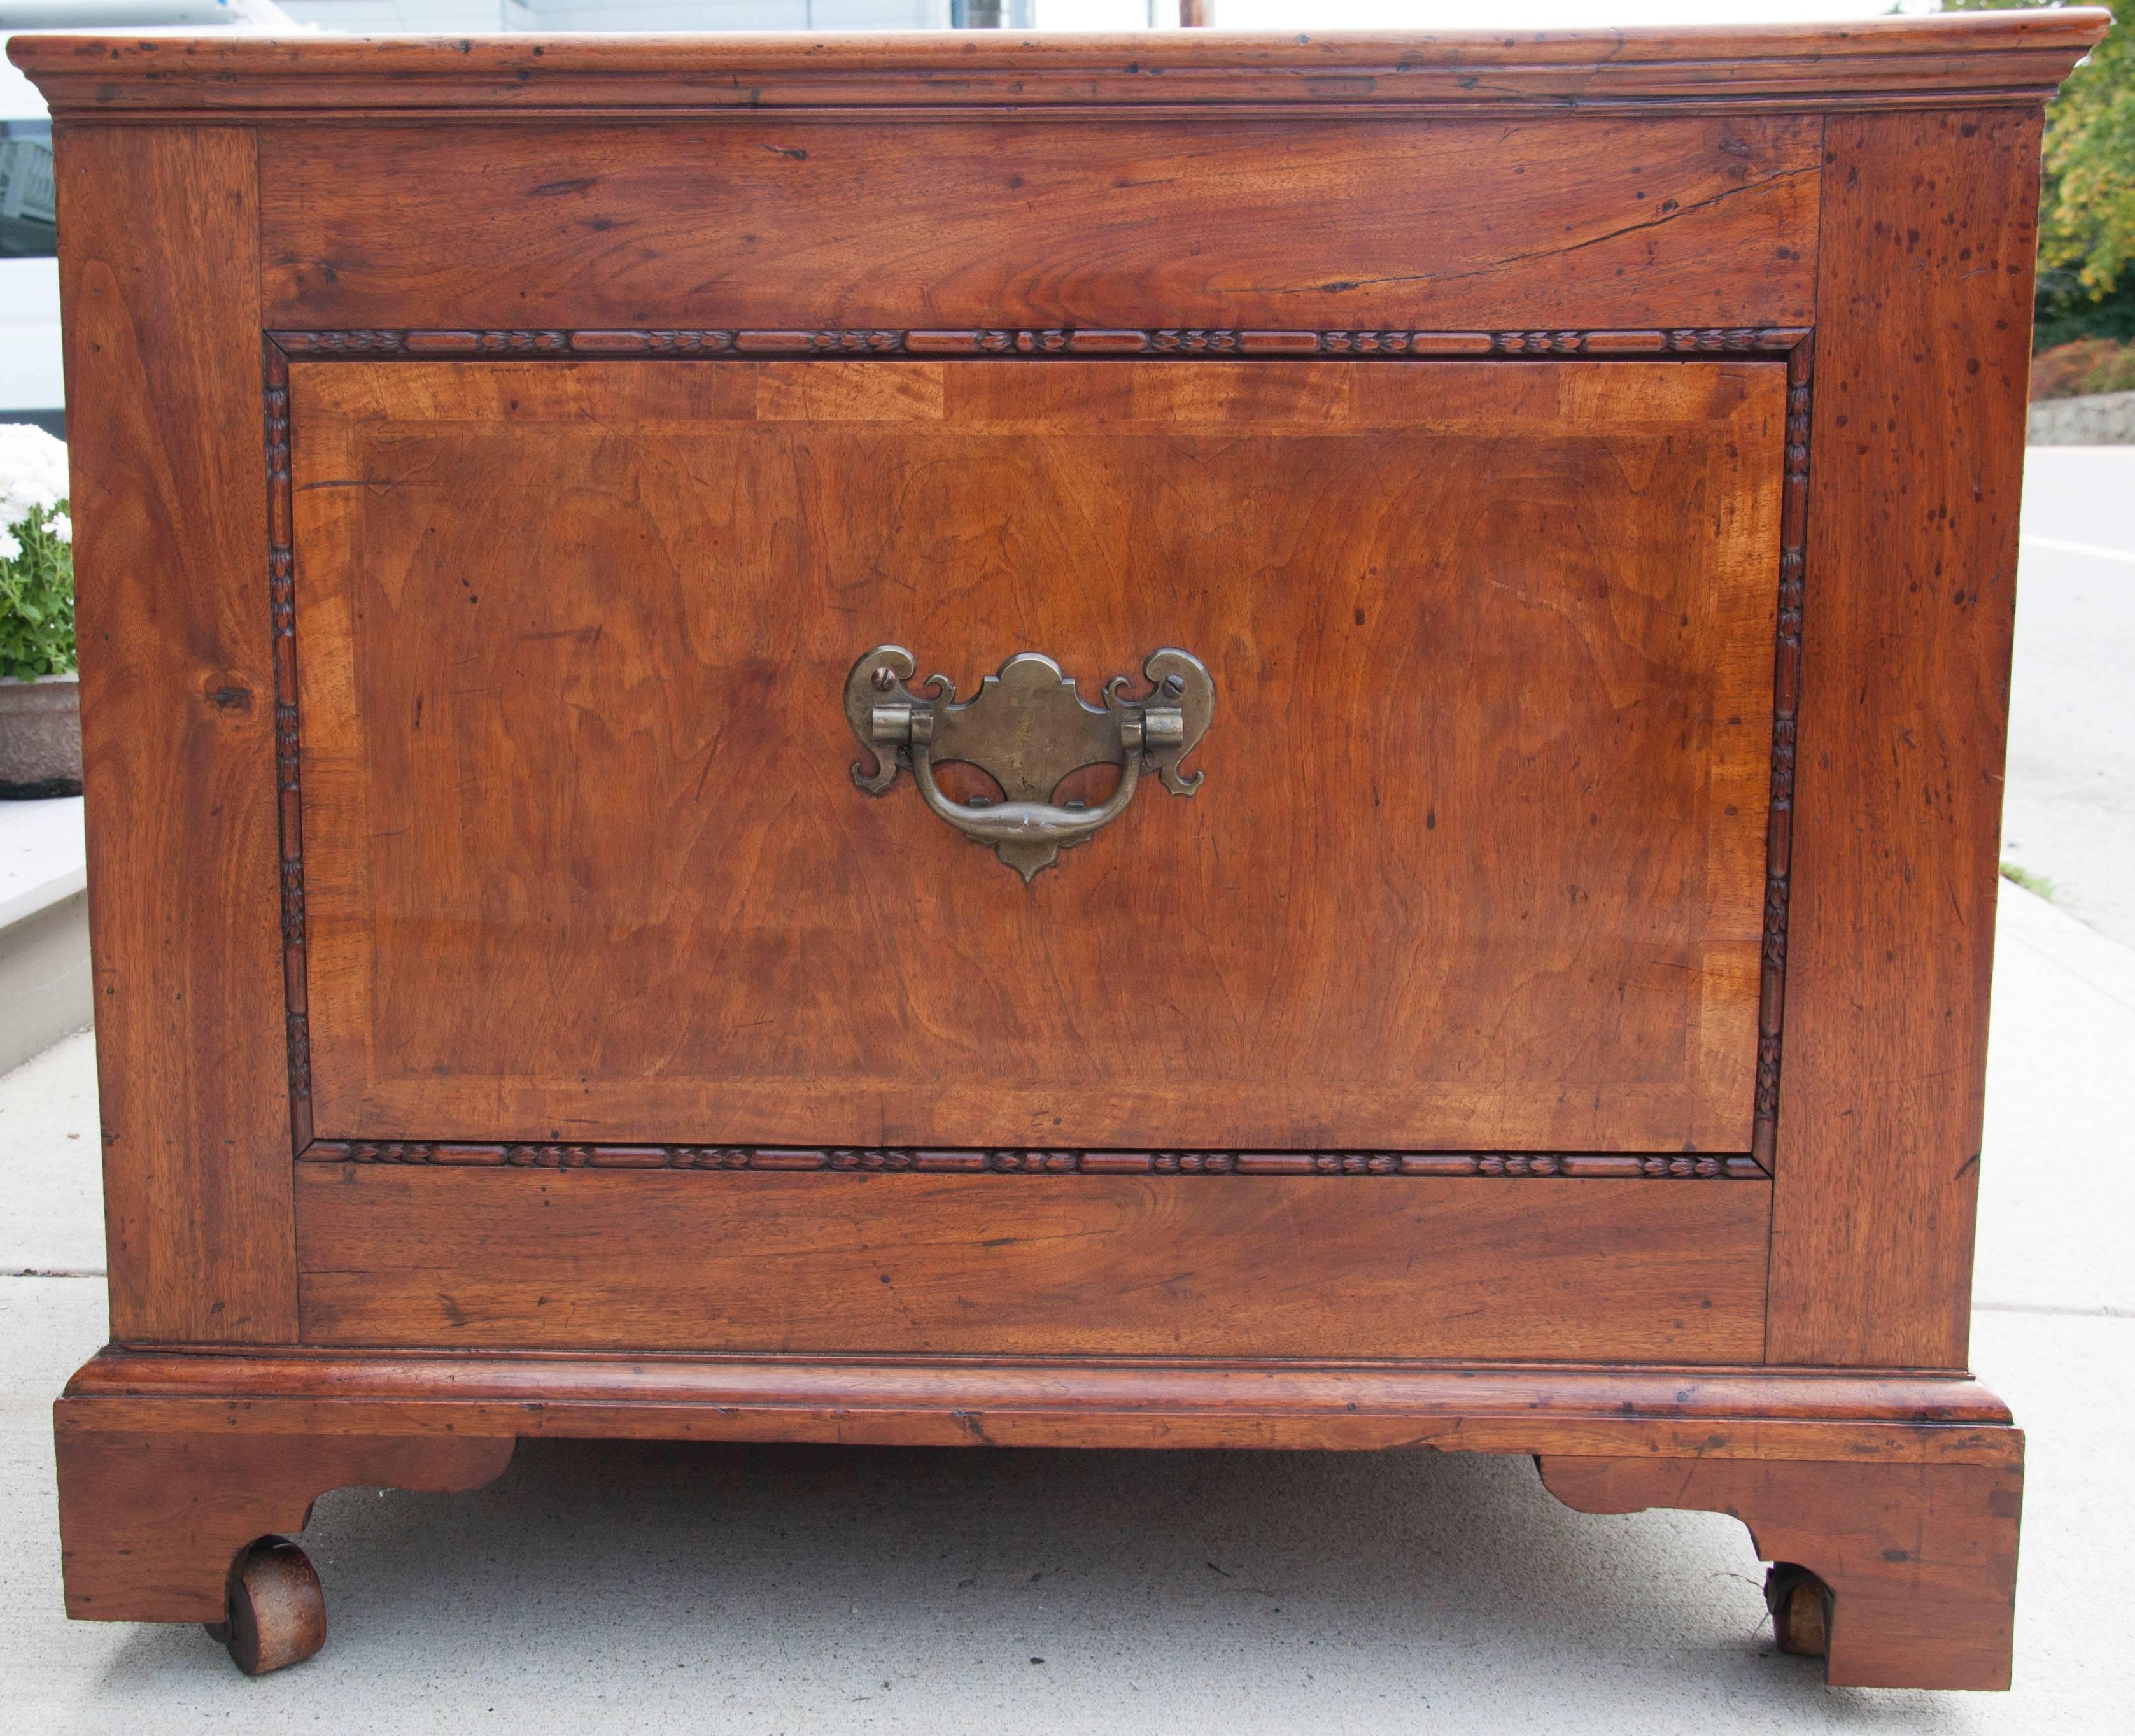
(1946, 59)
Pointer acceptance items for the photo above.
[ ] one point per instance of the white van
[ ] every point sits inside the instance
(30, 387)
(30, 373)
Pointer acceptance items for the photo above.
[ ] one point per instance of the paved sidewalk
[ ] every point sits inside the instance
(691, 1587)
(2069, 810)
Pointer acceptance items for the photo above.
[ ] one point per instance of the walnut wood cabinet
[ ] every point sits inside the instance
(1503, 966)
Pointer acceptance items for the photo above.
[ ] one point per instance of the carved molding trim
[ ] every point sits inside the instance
(1987, 59)
(281, 611)
(1663, 1166)
(1188, 341)
(1786, 693)
(292, 904)
(1794, 345)
(300, 1063)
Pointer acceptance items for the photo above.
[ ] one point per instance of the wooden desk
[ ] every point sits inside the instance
(1504, 968)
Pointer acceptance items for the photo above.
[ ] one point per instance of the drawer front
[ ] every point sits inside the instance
(1478, 862)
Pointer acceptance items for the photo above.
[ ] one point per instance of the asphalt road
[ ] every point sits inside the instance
(2069, 811)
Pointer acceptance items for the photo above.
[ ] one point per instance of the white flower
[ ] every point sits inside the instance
(62, 527)
(33, 474)
(9, 547)
(30, 454)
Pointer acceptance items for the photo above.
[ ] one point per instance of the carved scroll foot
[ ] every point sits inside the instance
(1903, 1573)
(160, 1521)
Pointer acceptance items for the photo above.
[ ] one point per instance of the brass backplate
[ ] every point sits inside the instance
(1027, 727)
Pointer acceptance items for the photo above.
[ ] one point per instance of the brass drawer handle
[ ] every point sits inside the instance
(1028, 728)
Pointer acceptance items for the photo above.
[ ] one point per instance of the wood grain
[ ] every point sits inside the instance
(1921, 371)
(1987, 59)
(170, 1465)
(151, 1519)
(1479, 863)
(905, 1400)
(1920, 1559)
(651, 1260)
(1477, 878)
(1228, 223)
(158, 263)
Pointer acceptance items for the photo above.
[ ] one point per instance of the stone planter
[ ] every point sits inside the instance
(39, 738)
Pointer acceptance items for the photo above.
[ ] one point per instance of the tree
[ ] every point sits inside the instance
(2087, 202)
(2087, 181)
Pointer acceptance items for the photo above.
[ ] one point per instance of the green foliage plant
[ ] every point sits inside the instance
(36, 556)
(2086, 185)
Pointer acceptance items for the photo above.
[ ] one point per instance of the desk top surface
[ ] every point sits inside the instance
(1970, 59)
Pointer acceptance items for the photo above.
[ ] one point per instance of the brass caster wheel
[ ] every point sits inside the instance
(1800, 1604)
(277, 1613)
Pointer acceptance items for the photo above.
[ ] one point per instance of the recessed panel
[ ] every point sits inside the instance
(1478, 862)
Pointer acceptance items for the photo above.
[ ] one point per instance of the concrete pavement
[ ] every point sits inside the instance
(804, 1589)
(2069, 812)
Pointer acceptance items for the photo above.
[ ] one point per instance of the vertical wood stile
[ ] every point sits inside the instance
(159, 269)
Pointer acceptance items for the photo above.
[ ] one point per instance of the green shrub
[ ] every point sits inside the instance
(2067, 311)
(2076, 369)
(36, 556)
